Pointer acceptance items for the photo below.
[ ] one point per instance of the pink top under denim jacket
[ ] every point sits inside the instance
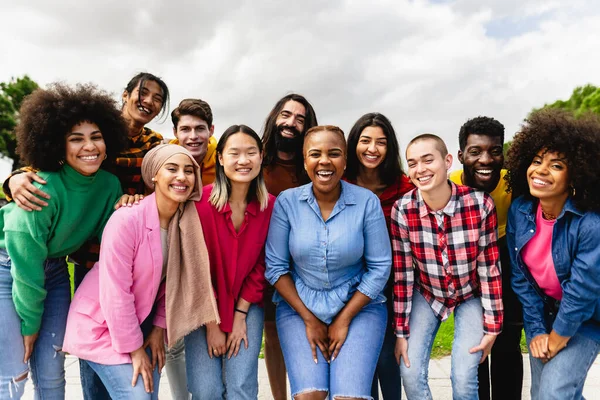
(118, 293)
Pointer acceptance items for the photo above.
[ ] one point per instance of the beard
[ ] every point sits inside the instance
(286, 144)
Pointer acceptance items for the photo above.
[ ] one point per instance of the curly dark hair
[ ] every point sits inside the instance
(577, 139)
(47, 115)
(480, 126)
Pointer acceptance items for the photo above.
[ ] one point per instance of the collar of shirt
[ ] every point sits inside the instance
(251, 208)
(346, 199)
(449, 209)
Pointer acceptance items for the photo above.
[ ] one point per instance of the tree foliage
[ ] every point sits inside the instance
(11, 96)
(584, 98)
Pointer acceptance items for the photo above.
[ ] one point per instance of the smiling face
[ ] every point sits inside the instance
(175, 179)
(85, 148)
(290, 126)
(324, 160)
(371, 148)
(427, 167)
(482, 161)
(193, 133)
(143, 103)
(241, 158)
(548, 176)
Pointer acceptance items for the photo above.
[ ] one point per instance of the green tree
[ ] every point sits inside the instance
(11, 97)
(583, 99)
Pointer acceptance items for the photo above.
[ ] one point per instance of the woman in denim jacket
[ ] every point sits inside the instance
(554, 244)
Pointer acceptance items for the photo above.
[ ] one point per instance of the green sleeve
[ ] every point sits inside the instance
(26, 238)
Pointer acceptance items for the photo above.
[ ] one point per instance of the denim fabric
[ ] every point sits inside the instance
(564, 375)
(219, 378)
(576, 256)
(468, 332)
(91, 384)
(387, 373)
(506, 365)
(505, 359)
(351, 373)
(175, 367)
(47, 361)
(117, 380)
(329, 260)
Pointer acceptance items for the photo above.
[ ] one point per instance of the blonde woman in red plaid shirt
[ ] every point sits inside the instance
(445, 260)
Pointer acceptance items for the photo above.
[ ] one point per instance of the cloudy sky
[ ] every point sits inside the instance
(427, 65)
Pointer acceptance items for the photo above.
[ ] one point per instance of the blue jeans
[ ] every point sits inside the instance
(175, 367)
(219, 377)
(351, 373)
(91, 385)
(47, 362)
(468, 332)
(117, 380)
(564, 375)
(387, 373)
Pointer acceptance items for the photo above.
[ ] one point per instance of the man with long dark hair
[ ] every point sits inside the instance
(283, 137)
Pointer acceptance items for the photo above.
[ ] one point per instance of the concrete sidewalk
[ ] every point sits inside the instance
(439, 381)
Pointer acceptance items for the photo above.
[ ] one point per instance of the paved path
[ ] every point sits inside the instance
(439, 380)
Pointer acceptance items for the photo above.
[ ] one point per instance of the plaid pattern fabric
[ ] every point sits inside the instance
(449, 256)
(128, 164)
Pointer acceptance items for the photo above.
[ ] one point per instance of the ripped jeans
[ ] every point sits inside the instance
(47, 361)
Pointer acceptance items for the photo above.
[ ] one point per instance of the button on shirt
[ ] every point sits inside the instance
(452, 252)
(329, 260)
(237, 259)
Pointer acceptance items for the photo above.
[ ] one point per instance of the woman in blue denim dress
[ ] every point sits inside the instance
(328, 255)
(67, 134)
(554, 243)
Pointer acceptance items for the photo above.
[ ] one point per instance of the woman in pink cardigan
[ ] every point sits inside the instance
(119, 313)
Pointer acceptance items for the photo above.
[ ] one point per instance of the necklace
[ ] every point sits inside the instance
(548, 216)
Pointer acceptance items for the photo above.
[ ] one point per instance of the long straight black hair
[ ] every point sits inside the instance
(391, 167)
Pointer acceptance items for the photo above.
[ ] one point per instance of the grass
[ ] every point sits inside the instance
(442, 345)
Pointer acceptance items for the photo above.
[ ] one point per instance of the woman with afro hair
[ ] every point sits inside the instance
(67, 133)
(554, 244)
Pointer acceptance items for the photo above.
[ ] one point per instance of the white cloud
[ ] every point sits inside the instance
(428, 66)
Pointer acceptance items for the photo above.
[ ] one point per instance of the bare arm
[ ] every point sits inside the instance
(24, 193)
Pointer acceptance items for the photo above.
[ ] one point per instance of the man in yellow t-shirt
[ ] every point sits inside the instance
(193, 129)
(481, 143)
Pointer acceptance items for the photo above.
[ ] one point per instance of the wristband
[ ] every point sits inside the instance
(241, 311)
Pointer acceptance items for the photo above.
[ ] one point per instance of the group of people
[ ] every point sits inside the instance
(346, 262)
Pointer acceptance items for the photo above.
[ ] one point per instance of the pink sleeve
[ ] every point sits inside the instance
(116, 278)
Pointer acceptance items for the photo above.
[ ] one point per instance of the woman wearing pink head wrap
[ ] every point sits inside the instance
(153, 275)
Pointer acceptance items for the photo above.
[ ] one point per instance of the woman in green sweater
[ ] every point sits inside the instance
(66, 133)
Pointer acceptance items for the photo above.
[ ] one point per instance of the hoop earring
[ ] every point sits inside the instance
(61, 162)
